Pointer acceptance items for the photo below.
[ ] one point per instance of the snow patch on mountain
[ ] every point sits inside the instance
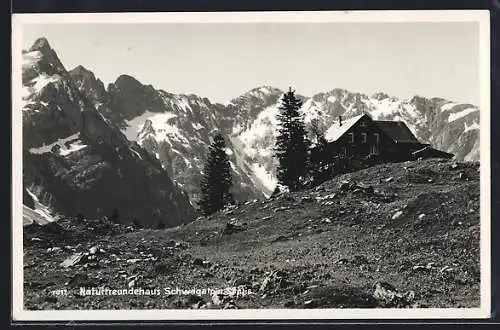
(448, 106)
(72, 147)
(197, 126)
(61, 142)
(471, 127)
(164, 129)
(234, 168)
(34, 86)
(136, 125)
(264, 125)
(31, 58)
(457, 115)
(387, 107)
(186, 160)
(40, 214)
(267, 179)
(311, 110)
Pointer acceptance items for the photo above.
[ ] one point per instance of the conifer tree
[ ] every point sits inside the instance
(291, 147)
(216, 181)
(320, 163)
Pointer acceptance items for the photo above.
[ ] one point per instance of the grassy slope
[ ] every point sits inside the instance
(324, 263)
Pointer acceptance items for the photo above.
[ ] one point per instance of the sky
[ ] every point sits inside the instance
(224, 60)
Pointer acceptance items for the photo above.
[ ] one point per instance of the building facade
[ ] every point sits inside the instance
(361, 141)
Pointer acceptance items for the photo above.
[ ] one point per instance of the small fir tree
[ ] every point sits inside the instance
(216, 181)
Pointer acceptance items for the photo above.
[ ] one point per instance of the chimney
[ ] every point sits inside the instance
(340, 120)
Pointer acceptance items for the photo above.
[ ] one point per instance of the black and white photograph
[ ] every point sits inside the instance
(269, 165)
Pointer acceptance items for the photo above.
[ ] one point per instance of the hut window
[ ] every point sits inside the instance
(363, 137)
(351, 137)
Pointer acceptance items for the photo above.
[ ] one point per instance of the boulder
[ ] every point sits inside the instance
(387, 296)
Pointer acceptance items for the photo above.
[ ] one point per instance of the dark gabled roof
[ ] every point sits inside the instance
(397, 131)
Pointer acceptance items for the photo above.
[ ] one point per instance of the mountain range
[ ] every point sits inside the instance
(129, 146)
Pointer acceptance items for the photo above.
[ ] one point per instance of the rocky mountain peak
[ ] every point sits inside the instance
(72, 152)
(380, 96)
(147, 129)
(127, 81)
(41, 59)
(266, 89)
(88, 85)
(41, 44)
(80, 70)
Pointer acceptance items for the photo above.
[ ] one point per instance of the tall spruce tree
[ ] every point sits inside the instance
(216, 181)
(291, 147)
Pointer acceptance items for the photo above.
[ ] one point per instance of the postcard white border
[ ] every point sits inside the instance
(480, 16)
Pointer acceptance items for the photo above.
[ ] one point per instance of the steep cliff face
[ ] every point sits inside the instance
(176, 130)
(90, 86)
(77, 162)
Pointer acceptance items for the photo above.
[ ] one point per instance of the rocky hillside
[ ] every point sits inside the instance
(394, 235)
(77, 162)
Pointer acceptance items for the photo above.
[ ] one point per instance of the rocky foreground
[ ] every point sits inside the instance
(394, 235)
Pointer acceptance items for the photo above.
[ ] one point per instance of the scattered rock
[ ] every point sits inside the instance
(232, 227)
(219, 299)
(419, 268)
(389, 179)
(273, 282)
(230, 305)
(388, 296)
(430, 265)
(421, 216)
(281, 208)
(397, 215)
(326, 197)
(280, 190)
(72, 260)
(342, 261)
(446, 269)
